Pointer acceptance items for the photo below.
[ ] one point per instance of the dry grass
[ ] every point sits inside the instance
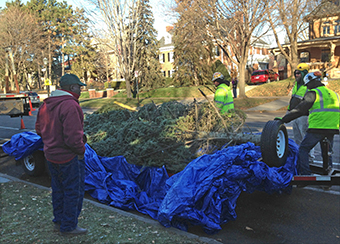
(26, 214)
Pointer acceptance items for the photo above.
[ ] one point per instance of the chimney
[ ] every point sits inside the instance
(169, 28)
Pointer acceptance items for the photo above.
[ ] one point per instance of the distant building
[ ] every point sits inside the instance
(258, 54)
(166, 50)
(322, 50)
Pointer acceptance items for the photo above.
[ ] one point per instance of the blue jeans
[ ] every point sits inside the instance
(67, 181)
(235, 92)
(308, 142)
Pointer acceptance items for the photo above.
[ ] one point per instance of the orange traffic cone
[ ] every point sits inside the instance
(22, 126)
(31, 108)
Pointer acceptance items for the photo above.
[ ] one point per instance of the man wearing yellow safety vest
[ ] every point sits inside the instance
(223, 97)
(300, 125)
(324, 116)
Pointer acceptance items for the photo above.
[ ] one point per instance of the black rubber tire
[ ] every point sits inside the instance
(274, 143)
(34, 164)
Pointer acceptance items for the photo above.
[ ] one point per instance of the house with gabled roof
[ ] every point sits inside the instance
(258, 54)
(166, 52)
(322, 49)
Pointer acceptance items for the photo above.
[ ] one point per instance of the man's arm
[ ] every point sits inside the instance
(301, 109)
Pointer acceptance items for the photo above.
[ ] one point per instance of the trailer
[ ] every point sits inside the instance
(15, 105)
(274, 149)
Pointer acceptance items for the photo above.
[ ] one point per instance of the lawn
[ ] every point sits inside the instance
(26, 217)
(256, 96)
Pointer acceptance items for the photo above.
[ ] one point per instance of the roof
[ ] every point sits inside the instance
(326, 9)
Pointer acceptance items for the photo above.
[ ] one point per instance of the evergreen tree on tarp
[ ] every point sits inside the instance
(148, 66)
(193, 46)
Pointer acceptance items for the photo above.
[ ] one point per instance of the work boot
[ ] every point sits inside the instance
(76, 231)
(330, 170)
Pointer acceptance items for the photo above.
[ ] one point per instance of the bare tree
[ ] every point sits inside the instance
(237, 25)
(20, 31)
(121, 24)
(288, 16)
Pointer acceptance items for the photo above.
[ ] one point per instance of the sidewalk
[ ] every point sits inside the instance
(281, 102)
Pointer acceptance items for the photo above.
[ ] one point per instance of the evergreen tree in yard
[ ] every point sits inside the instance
(78, 46)
(148, 66)
(193, 45)
(47, 13)
(218, 66)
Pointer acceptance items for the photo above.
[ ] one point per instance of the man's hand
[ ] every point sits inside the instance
(81, 157)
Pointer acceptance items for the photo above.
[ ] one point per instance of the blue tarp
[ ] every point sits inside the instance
(204, 193)
(23, 144)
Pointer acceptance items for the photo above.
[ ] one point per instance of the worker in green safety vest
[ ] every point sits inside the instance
(223, 97)
(324, 117)
(300, 125)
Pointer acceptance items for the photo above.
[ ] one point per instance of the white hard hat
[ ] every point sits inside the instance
(217, 75)
(312, 76)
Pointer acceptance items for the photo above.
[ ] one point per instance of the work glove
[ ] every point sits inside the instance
(81, 157)
(279, 118)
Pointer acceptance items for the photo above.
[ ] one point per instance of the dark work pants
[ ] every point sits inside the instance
(67, 181)
(308, 142)
(235, 92)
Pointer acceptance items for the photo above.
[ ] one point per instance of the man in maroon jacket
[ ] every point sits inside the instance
(60, 125)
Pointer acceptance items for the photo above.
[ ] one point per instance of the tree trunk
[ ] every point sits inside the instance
(14, 72)
(62, 58)
(39, 78)
(50, 63)
(6, 75)
(128, 86)
(241, 84)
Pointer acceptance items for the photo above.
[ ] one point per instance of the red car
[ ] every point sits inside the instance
(262, 76)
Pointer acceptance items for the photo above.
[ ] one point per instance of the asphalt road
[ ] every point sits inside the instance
(256, 121)
(306, 215)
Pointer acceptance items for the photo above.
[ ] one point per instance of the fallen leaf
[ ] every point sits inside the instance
(248, 228)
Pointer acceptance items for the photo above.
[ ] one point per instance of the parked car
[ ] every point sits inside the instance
(35, 99)
(262, 76)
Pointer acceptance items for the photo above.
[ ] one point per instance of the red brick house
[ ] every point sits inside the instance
(322, 50)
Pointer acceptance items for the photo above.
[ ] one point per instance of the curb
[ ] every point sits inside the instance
(6, 178)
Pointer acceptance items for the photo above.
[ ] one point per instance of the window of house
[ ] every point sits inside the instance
(326, 29)
(325, 55)
(163, 57)
(168, 57)
(304, 57)
(337, 27)
(169, 73)
(164, 73)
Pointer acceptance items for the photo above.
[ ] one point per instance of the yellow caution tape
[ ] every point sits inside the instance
(125, 106)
